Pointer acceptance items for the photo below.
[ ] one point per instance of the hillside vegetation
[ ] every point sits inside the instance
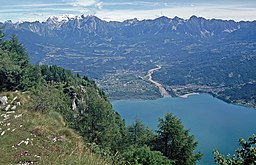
(50, 116)
(32, 137)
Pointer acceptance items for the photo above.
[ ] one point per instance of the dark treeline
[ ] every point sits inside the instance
(86, 109)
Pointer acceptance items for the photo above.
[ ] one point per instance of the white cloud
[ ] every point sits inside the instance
(99, 5)
(84, 3)
(119, 11)
(231, 12)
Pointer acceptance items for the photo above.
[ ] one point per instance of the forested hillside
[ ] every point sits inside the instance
(73, 118)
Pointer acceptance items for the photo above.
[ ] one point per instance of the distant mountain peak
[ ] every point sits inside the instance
(177, 18)
(193, 17)
(162, 18)
(67, 17)
(131, 21)
(62, 18)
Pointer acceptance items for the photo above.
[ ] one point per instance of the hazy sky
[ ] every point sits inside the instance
(31, 10)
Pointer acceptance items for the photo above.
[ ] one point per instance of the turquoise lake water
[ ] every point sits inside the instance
(214, 123)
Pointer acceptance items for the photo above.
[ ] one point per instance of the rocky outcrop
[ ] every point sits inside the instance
(12, 105)
(4, 100)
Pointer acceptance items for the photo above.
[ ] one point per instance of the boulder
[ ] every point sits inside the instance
(74, 104)
(14, 107)
(4, 100)
(7, 107)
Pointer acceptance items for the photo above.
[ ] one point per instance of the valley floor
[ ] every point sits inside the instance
(127, 84)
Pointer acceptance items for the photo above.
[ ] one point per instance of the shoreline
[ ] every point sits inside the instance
(185, 96)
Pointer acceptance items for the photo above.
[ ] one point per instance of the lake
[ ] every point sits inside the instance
(214, 123)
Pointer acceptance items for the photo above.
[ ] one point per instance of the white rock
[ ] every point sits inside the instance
(7, 107)
(37, 156)
(16, 116)
(74, 104)
(5, 116)
(26, 142)
(18, 103)
(54, 139)
(13, 130)
(10, 112)
(21, 126)
(2, 133)
(14, 107)
(14, 99)
(4, 100)
(20, 143)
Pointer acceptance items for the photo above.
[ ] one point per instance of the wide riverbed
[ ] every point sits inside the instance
(214, 123)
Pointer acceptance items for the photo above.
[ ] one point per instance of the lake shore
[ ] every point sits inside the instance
(185, 96)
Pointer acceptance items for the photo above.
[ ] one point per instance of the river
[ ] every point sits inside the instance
(161, 88)
(214, 123)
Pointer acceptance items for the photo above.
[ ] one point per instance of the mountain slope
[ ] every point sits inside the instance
(195, 54)
(32, 137)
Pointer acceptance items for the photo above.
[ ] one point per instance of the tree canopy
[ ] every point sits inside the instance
(246, 155)
(139, 134)
(175, 142)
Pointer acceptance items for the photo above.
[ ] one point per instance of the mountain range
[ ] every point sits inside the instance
(195, 53)
(81, 27)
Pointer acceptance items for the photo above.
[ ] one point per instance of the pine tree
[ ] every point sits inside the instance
(139, 134)
(175, 142)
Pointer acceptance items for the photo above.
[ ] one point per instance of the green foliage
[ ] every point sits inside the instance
(57, 74)
(175, 142)
(14, 46)
(48, 139)
(246, 155)
(144, 156)
(10, 71)
(50, 97)
(32, 78)
(139, 134)
(97, 122)
(13, 64)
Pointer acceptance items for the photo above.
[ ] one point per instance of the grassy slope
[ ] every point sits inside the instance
(27, 136)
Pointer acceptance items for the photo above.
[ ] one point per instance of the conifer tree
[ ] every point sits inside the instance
(140, 135)
(175, 142)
